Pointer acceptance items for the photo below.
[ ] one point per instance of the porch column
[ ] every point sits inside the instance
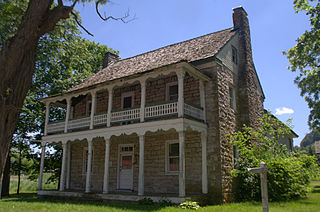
(93, 108)
(67, 114)
(202, 99)
(180, 75)
(43, 152)
(143, 99)
(106, 166)
(141, 165)
(88, 176)
(68, 165)
(110, 91)
(47, 118)
(204, 162)
(182, 172)
(63, 166)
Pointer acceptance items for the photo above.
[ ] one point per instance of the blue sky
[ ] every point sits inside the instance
(274, 28)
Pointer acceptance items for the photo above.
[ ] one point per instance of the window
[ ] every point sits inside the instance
(232, 97)
(88, 107)
(172, 91)
(85, 160)
(234, 55)
(127, 99)
(172, 157)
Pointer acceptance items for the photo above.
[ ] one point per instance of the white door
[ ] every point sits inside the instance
(126, 171)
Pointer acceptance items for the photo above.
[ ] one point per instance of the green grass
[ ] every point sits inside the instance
(27, 186)
(29, 202)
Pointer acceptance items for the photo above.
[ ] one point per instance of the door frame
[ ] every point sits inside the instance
(120, 153)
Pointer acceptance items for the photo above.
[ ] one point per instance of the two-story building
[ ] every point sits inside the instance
(156, 124)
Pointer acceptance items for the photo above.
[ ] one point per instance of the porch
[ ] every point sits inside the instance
(128, 197)
(154, 169)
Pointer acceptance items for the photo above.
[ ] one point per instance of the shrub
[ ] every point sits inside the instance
(146, 201)
(288, 175)
(165, 202)
(189, 205)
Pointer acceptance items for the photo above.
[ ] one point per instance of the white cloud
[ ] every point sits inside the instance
(284, 110)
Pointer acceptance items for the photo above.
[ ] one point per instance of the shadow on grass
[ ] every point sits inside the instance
(32, 198)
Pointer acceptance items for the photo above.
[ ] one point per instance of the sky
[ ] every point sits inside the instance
(274, 28)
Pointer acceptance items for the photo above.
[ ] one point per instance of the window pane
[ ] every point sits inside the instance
(173, 92)
(174, 149)
(173, 164)
(126, 162)
(127, 102)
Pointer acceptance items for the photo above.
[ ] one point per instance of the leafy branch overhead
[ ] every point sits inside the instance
(304, 58)
(22, 24)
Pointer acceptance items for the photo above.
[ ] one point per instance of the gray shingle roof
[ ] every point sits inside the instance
(190, 50)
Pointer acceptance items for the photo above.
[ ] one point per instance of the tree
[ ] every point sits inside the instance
(18, 55)
(289, 174)
(304, 57)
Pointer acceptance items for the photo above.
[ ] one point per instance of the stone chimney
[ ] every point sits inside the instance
(249, 104)
(109, 59)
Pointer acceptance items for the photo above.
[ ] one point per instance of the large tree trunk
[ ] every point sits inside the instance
(6, 179)
(17, 59)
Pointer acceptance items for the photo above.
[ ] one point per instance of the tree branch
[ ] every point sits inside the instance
(76, 19)
(60, 2)
(123, 19)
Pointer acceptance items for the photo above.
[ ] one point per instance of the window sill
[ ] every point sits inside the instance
(171, 173)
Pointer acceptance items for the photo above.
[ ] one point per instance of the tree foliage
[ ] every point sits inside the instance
(31, 20)
(304, 58)
(63, 60)
(289, 174)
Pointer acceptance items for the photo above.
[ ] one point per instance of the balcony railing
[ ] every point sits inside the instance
(151, 112)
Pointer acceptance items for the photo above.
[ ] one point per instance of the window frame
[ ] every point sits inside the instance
(85, 162)
(168, 85)
(232, 96)
(167, 157)
(127, 94)
(234, 55)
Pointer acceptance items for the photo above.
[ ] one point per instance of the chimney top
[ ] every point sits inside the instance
(109, 59)
(240, 9)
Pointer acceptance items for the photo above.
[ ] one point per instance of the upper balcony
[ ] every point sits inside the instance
(170, 92)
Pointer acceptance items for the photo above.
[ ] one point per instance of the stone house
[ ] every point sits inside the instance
(155, 125)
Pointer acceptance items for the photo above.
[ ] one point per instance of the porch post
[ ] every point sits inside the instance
(93, 108)
(141, 165)
(47, 118)
(88, 176)
(204, 162)
(43, 152)
(67, 114)
(63, 166)
(202, 99)
(143, 99)
(110, 91)
(68, 165)
(106, 166)
(182, 171)
(180, 75)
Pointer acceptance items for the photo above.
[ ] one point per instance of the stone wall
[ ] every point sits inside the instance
(156, 179)
(155, 92)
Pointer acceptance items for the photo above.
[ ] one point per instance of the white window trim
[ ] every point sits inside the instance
(84, 170)
(167, 172)
(167, 89)
(127, 94)
(88, 107)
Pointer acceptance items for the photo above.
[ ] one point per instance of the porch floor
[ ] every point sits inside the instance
(114, 196)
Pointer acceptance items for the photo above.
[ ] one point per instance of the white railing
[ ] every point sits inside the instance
(79, 123)
(54, 127)
(153, 111)
(161, 110)
(100, 119)
(125, 115)
(193, 111)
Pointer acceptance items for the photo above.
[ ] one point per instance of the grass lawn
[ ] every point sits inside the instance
(29, 202)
